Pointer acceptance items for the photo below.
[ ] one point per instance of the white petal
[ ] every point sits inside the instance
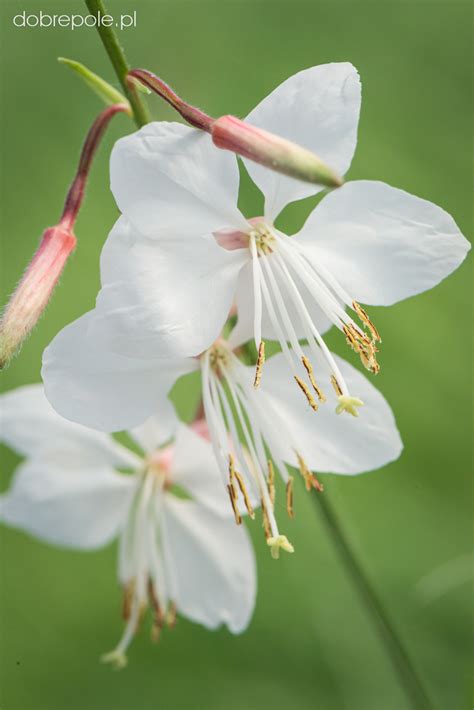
(170, 181)
(28, 424)
(211, 564)
(87, 384)
(317, 108)
(327, 441)
(383, 244)
(195, 469)
(66, 506)
(157, 429)
(244, 299)
(163, 298)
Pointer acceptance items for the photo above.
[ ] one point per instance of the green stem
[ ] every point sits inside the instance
(401, 661)
(119, 62)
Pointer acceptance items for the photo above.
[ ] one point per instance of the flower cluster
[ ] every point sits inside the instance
(181, 258)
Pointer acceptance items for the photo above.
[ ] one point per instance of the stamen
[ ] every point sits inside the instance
(366, 320)
(271, 481)
(309, 369)
(305, 389)
(289, 497)
(233, 501)
(309, 478)
(349, 405)
(260, 361)
(277, 543)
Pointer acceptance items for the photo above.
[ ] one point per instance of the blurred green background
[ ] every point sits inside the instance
(310, 644)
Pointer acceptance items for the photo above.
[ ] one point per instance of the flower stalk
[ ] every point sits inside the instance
(41, 276)
(230, 133)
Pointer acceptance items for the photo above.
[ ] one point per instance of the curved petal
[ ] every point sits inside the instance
(211, 564)
(195, 469)
(317, 108)
(244, 299)
(381, 243)
(28, 424)
(170, 181)
(157, 429)
(329, 442)
(89, 385)
(163, 298)
(64, 506)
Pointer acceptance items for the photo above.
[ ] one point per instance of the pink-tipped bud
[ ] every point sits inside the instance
(34, 290)
(273, 152)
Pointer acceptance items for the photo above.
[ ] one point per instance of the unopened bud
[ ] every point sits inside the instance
(230, 133)
(279, 154)
(34, 290)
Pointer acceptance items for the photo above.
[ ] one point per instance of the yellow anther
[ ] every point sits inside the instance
(243, 490)
(349, 404)
(305, 389)
(128, 590)
(117, 659)
(266, 521)
(233, 502)
(170, 618)
(259, 366)
(366, 320)
(278, 543)
(271, 481)
(336, 386)
(310, 479)
(309, 369)
(289, 497)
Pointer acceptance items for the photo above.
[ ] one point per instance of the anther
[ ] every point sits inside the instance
(278, 543)
(305, 389)
(127, 599)
(289, 497)
(366, 320)
(233, 501)
(260, 361)
(310, 479)
(245, 494)
(309, 369)
(266, 521)
(170, 618)
(271, 481)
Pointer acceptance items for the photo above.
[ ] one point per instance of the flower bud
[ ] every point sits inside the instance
(34, 290)
(279, 154)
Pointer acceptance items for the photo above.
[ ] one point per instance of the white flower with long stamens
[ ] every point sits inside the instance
(176, 554)
(255, 435)
(182, 249)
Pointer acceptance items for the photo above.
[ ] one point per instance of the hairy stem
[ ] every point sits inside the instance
(119, 63)
(388, 634)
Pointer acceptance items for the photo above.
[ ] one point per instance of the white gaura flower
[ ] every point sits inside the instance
(182, 250)
(86, 383)
(176, 554)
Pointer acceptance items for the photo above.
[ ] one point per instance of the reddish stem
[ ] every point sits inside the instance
(191, 114)
(89, 149)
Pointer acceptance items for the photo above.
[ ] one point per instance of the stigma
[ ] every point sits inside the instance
(283, 279)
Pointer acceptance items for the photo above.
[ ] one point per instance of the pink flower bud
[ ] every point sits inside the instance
(273, 152)
(34, 290)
